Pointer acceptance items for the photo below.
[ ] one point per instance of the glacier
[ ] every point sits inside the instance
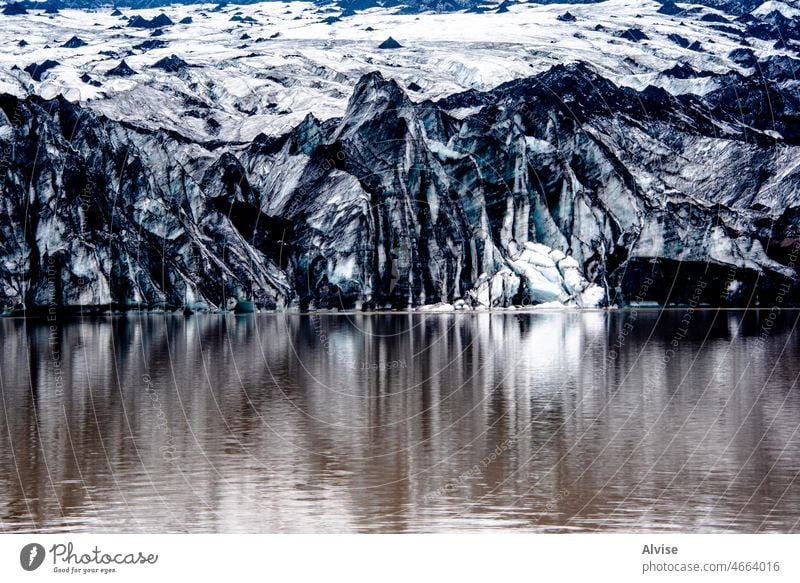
(311, 175)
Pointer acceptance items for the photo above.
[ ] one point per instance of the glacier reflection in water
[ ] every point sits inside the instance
(548, 421)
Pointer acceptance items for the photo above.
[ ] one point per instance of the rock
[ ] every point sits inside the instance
(633, 34)
(149, 45)
(780, 68)
(678, 40)
(36, 70)
(74, 43)
(504, 6)
(121, 70)
(683, 71)
(743, 57)
(160, 20)
(669, 7)
(245, 19)
(245, 307)
(712, 17)
(15, 9)
(155, 22)
(171, 64)
(139, 22)
(390, 43)
(86, 78)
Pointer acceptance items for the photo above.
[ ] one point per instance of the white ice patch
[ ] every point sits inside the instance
(784, 8)
(345, 268)
(295, 63)
(443, 152)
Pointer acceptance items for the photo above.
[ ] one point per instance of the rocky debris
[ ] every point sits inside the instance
(684, 71)
(121, 70)
(780, 68)
(669, 8)
(86, 78)
(160, 21)
(744, 57)
(15, 9)
(74, 43)
(171, 64)
(633, 34)
(390, 43)
(156, 22)
(243, 19)
(504, 6)
(678, 40)
(773, 26)
(150, 45)
(36, 70)
(713, 17)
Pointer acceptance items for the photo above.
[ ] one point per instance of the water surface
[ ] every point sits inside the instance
(550, 421)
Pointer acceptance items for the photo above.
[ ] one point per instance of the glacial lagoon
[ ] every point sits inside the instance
(562, 421)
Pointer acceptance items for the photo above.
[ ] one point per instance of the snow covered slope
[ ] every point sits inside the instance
(262, 68)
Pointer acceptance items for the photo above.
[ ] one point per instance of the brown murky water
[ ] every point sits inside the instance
(596, 421)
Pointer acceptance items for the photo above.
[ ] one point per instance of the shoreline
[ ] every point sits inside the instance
(91, 313)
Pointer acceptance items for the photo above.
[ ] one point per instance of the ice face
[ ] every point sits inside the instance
(560, 186)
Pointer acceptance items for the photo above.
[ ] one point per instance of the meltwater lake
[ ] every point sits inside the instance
(563, 421)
